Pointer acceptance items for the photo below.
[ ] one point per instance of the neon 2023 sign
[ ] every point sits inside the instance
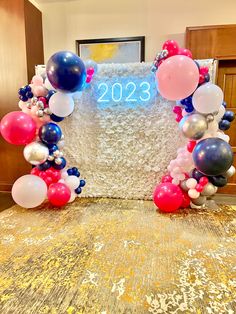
(129, 91)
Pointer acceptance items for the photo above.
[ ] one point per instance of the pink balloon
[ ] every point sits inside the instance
(177, 77)
(172, 47)
(168, 197)
(185, 52)
(37, 80)
(18, 128)
(59, 194)
(90, 71)
(40, 91)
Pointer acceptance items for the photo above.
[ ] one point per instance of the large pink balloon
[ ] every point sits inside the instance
(18, 128)
(177, 77)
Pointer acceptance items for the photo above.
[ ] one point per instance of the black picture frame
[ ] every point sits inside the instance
(140, 39)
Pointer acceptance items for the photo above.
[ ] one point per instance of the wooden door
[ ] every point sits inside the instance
(227, 81)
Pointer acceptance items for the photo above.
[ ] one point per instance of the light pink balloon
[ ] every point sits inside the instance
(40, 91)
(37, 80)
(177, 77)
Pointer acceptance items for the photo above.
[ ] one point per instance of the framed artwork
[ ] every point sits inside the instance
(112, 50)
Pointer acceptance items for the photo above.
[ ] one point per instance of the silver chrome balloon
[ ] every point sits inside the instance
(201, 200)
(36, 153)
(209, 190)
(184, 186)
(230, 172)
(193, 126)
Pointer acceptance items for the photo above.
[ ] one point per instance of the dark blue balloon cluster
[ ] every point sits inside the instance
(226, 120)
(75, 172)
(187, 103)
(25, 93)
(50, 134)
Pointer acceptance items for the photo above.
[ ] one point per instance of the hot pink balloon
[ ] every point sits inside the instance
(168, 197)
(185, 52)
(18, 128)
(177, 77)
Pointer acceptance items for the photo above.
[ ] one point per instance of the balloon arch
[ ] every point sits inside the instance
(205, 162)
(201, 166)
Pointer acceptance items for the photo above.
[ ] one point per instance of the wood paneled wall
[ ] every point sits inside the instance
(216, 41)
(21, 48)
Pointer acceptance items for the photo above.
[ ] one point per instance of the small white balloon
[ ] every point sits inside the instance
(73, 196)
(72, 182)
(36, 153)
(223, 136)
(192, 193)
(64, 174)
(61, 104)
(230, 172)
(191, 183)
(208, 98)
(220, 113)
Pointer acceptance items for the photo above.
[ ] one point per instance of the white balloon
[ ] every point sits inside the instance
(207, 98)
(213, 127)
(48, 85)
(192, 193)
(61, 104)
(72, 182)
(29, 191)
(73, 196)
(220, 113)
(64, 174)
(223, 136)
(191, 183)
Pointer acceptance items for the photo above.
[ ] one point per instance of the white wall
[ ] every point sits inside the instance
(158, 20)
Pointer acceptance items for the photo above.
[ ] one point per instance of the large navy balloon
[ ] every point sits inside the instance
(212, 156)
(66, 71)
(50, 133)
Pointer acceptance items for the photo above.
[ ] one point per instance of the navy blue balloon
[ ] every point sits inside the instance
(66, 71)
(82, 183)
(189, 109)
(224, 104)
(229, 115)
(23, 98)
(52, 148)
(50, 133)
(212, 156)
(197, 174)
(218, 181)
(29, 94)
(70, 172)
(46, 165)
(50, 93)
(56, 118)
(207, 77)
(78, 190)
(61, 166)
(224, 125)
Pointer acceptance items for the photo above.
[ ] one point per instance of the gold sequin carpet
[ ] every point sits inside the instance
(117, 256)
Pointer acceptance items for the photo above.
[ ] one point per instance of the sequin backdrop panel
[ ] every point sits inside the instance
(121, 150)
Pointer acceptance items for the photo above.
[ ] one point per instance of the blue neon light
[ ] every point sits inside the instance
(127, 91)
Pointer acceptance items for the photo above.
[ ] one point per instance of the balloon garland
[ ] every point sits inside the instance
(43, 104)
(205, 162)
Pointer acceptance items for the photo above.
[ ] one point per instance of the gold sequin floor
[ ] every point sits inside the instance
(116, 256)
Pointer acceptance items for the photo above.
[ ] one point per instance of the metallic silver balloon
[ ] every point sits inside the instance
(210, 118)
(199, 201)
(193, 126)
(230, 172)
(184, 186)
(36, 153)
(209, 190)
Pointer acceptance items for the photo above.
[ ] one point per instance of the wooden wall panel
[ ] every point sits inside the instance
(33, 37)
(216, 41)
(13, 65)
